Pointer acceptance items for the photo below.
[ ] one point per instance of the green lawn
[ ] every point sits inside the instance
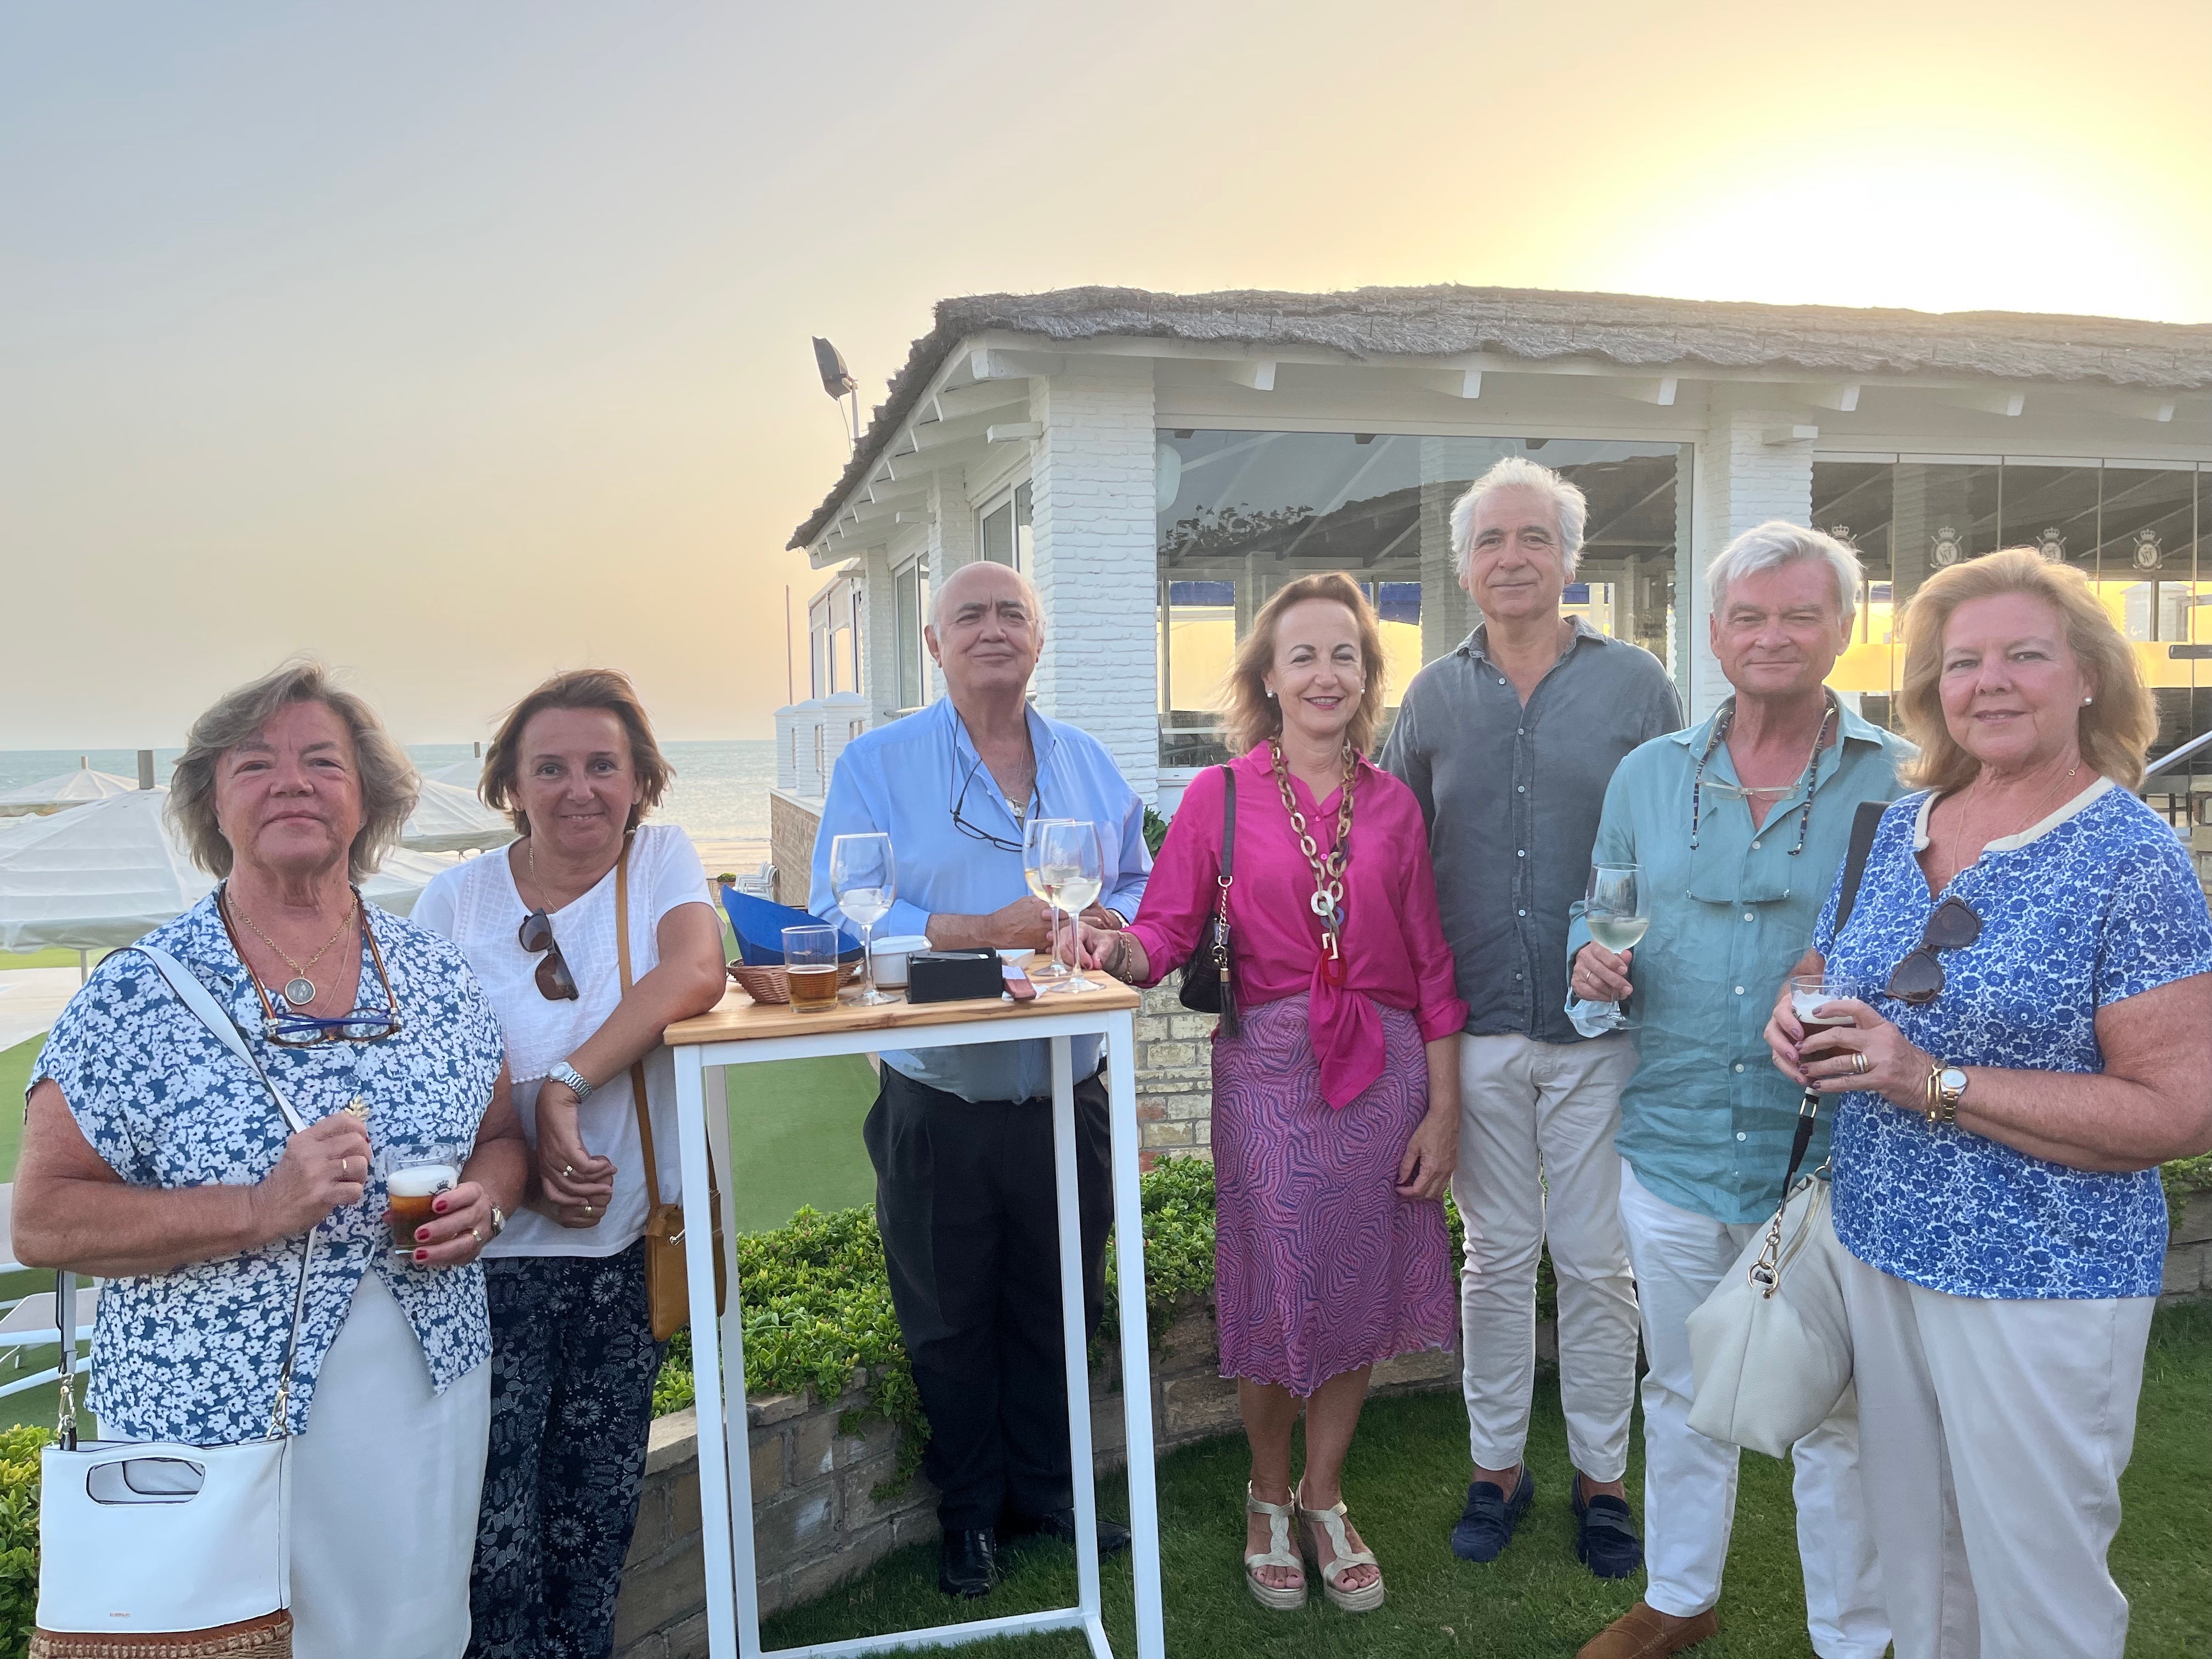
(795, 1137)
(54, 958)
(1405, 1483)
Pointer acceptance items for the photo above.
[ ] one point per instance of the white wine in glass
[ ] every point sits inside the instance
(864, 875)
(1072, 867)
(1617, 913)
(1033, 872)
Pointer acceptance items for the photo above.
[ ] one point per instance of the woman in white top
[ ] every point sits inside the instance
(574, 1356)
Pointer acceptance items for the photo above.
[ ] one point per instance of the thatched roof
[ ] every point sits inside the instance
(1537, 325)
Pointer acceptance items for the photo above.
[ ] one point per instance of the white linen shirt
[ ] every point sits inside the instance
(478, 907)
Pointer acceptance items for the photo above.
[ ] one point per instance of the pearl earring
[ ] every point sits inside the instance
(1271, 691)
(2086, 702)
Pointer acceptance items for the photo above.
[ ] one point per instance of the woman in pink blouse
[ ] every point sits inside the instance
(1336, 1105)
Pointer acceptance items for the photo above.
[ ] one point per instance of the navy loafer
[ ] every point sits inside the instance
(1606, 1541)
(1486, 1527)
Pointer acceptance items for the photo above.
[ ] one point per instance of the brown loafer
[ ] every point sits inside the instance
(1643, 1633)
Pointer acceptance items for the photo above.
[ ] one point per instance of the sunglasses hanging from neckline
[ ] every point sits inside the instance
(555, 983)
(1919, 978)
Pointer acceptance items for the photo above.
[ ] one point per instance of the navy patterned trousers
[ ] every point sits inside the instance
(573, 1362)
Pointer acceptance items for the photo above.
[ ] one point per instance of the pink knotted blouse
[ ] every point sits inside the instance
(1393, 949)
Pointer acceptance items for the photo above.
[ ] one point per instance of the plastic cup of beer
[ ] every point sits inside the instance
(412, 1181)
(810, 966)
(1810, 992)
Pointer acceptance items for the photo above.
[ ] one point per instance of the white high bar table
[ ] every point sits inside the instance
(741, 1031)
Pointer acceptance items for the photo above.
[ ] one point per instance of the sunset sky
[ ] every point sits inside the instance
(457, 342)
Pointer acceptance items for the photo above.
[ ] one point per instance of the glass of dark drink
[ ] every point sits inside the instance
(413, 1178)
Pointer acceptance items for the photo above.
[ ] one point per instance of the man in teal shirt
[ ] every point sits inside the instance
(1739, 826)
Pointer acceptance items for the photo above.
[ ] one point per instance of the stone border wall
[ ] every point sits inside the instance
(817, 1463)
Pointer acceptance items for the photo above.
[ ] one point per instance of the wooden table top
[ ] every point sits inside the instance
(738, 1016)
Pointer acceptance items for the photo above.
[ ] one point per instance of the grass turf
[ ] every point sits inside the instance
(795, 1137)
(1405, 1483)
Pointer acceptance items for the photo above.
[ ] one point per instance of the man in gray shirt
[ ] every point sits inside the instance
(1509, 742)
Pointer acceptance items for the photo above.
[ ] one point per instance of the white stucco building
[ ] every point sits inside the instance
(1160, 463)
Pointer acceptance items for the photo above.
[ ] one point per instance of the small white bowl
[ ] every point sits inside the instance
(890, 953)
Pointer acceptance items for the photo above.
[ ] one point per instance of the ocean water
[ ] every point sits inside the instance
(719, 794)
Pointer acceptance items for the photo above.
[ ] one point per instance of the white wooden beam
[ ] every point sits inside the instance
(958, 401)
(1013, 432)
(923, 516)
(1992, 400)
(1454, 382)
(1843, 398)
(991, 363)
(1777, 435)
(1257, 373)
(1660, 391)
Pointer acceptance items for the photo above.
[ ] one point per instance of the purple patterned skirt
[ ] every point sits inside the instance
(1320, 1267)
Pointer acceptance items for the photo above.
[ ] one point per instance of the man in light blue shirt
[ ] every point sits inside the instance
(961, 1138)
(1738, 826)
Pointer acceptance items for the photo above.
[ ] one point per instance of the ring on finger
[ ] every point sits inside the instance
(568, 1170)
(1860, 1064)
(346, 1169)
(476, 1236)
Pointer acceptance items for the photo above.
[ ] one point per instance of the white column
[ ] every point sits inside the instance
(1448, 614)
(1096, 561)
(880, 631)
(1742, 481)
(951, 543)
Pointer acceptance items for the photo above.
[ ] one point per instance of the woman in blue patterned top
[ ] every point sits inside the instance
(2031, 1036)
(154, 1158)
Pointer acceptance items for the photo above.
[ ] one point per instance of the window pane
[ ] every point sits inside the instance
(998, 534)
(1021, 559)
(1853, 502)
(2145, 574)
(1253, 511)
(1943, 512)
(908, 595)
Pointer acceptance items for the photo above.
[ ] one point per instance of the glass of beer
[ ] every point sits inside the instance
(810, 966)
(1810, 992)
(413, 1178)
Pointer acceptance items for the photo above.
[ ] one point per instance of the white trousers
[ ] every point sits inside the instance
(385, 1487)
(1994, 1436)
(1689, 1481)
(1536, 1164)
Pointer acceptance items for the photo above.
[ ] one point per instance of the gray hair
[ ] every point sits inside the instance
(389, 785)
(1775, 543)
(1569, 505)
(1030, 597)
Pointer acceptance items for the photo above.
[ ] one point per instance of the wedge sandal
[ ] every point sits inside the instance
(1367, 1598)
(1282, 1598)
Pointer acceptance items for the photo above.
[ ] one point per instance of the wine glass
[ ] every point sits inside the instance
(1071, 868)
(864, 876)
(1617, 910)
(1033, 872)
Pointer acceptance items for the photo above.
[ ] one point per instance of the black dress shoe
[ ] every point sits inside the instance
(968, 1562)
(1113, 1536)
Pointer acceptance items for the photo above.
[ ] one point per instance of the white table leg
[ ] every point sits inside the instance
(726, 1516)
(1067, 1191)
(1136, 1345)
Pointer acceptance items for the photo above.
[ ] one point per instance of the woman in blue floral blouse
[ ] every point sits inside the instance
(2031, 1038)
(155, 1158)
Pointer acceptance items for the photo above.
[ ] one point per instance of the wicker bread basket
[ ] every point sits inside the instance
(773, 985)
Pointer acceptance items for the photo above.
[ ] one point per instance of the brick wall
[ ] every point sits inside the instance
(791, 821)
(1097, 563)
(817, 1521)
(1175, 1077)
(2188, 1252)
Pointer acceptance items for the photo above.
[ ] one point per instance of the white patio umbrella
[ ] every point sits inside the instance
(462, 774)
(104, 875)
(66, 789)
(450, 819)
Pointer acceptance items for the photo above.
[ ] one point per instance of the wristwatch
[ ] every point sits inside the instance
(1946, 1085)
(562, 1072)
(498, 1221)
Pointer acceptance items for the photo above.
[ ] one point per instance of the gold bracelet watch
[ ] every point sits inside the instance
(1946, 1085)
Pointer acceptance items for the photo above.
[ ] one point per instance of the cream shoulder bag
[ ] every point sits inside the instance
(158, 1545)
(1770, 1347)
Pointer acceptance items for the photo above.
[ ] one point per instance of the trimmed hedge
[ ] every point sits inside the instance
(19, 1534)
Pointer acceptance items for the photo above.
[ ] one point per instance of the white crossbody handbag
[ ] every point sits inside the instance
(1770, 1347)
(138, 1538)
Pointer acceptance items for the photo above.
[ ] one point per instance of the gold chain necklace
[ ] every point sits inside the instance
(1958, 829)
(1328, 900)
(299, 990)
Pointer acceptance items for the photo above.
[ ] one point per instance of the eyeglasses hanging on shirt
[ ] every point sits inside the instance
(974, 831)
(289, 1030)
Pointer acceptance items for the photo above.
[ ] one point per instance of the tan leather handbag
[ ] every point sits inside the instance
(667, 1278)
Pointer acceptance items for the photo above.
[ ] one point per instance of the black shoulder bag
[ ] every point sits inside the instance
(1209, 978)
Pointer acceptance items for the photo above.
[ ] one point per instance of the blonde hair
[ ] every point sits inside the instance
(2116, 729)
(388, 783)
(577, 688)
(1251, 715)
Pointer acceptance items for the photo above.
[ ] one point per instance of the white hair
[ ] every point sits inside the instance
(1775, 543)
(1030, 597)
(1569, 505)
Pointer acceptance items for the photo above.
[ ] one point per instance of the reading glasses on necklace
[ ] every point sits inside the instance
(289, 1030)
(976, 832)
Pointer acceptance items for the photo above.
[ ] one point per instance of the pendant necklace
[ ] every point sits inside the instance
(299, 990)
